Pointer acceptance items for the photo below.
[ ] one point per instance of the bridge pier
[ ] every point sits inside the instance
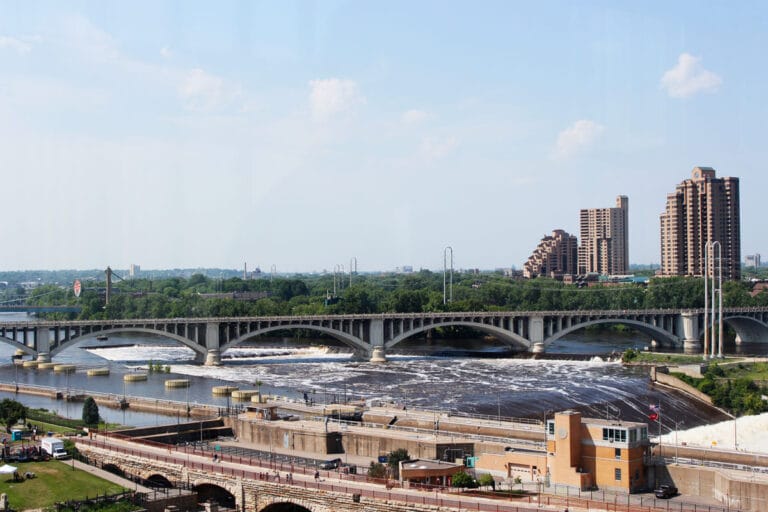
(691, 343)
(213, 358)
(378, 355)
(43, 357)
(538, 348)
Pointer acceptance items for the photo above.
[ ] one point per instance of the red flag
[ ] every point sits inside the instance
(653, 416)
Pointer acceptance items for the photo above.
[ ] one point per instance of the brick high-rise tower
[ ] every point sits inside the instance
(701, 209)
(604, 237)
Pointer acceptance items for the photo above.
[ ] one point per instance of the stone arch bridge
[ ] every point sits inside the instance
(371, 336)
(251, 488)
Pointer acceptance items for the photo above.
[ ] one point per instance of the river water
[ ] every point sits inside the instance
(463, 375)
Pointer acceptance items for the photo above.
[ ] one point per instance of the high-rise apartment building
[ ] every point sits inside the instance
(604, 237)
(703, 208)
(752, 260)
(556, 254)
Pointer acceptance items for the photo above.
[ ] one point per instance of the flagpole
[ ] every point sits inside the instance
(659, 413)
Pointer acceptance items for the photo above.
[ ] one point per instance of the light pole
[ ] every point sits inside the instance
(447, 297)
(677, 425)
(352, 269)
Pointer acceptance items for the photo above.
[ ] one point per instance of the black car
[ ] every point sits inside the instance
(665, 491)
(330, 464)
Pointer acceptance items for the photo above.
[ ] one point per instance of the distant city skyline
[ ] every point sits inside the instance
(196, 134)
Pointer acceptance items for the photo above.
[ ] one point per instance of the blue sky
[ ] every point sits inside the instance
(300, 135)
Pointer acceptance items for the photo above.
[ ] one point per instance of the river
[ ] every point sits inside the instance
(463, 375)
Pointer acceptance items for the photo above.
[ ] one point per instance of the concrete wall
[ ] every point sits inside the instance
(726, 487)
(658, 376)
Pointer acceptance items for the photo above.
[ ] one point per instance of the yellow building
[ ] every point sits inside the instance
(580, 452)
(590, 452)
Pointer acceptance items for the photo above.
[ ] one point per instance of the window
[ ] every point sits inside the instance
(615, 434)
(644, 433)
(617, 474)
(551, 427)
(633, 436)
(617, 453)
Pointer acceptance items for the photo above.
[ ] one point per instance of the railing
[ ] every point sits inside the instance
(378, 316)
(270, 471)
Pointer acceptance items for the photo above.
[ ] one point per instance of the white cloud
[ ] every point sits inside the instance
(434, 148)
(332, 96)
(165, 52)
(13, 43)
(202, 91)
(414, 116)
(689, 77)
(577, 138)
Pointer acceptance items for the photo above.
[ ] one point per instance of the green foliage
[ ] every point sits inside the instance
(11, 412)
(395, 457)
(629, 355)
(202, 296)
(377, 470)
(54, 482)
(739, 395)
(486, 480)
(46, 416)
(90, 411)
(463, 480)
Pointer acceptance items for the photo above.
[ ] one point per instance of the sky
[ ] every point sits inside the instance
(300, 135)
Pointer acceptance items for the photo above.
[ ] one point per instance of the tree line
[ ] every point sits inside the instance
(201, 296)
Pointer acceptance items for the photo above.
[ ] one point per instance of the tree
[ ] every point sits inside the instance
(394, 458)
(463, 480)
(377, 470)
(90, 411)
(486, 480)
(11, 412)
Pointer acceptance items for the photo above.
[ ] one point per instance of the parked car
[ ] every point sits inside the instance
(666, 491)
(330, 464)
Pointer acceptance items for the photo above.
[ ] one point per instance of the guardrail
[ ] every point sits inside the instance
(429, 496)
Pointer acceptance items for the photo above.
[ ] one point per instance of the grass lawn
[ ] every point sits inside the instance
(662, 358)
(752, 371)
(54, 481)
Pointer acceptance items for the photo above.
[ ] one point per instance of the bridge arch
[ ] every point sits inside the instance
(200, 351)
(158, 481)
(356, 344)
(507, 337)
(212, 492)
(747, 328)
(660, 335)
(284, 506)
(18, 345)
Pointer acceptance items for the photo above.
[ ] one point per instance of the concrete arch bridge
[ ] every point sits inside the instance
(371, 336)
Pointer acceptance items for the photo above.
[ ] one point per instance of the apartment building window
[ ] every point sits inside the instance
(551, 427)
(617, 474)
(633, 436)
(617, 453)
(643, 433)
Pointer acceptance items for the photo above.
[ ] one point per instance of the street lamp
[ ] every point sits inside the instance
(677, 425)
(447, 297)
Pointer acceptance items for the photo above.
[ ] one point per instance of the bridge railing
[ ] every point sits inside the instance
(320, 318)
(336, 482)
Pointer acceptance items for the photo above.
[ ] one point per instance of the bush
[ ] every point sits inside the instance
(463, 480)
(377, 470)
